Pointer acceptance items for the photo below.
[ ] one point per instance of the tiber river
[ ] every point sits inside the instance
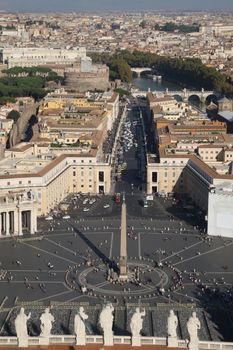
(145, 83)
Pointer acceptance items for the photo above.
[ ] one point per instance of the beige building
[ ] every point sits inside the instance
(193, 156)
(51, 178)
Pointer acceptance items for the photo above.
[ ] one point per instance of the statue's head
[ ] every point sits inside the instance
(171, 313)
(22, 310)
(81, 309)
(109, 307)
(47, 310)
(137, 309)
(194, 314)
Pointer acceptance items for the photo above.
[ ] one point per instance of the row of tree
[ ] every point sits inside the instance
(25, 82)
(186, 71)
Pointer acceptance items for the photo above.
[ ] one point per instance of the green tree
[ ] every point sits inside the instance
(14, 115)
(124, 71)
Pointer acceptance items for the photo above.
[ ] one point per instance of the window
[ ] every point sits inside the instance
(165, 174)
(154, 176)
(74, 173)
(8, 183)
(29, 182)
(101, 176)
(20, 182)
(82, 186)
(82, 173)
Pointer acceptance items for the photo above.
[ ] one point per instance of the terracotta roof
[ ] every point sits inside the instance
(203, 166)
(21, 149)
(211, 146)
(200, 164)
(49, 166)
(113, 97)
(150, 97)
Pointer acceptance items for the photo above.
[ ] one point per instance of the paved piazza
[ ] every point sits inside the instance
(75, 261)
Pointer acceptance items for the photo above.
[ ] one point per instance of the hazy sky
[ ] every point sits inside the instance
(76, 5)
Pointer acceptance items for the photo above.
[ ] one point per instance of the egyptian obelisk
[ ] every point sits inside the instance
(123, 242)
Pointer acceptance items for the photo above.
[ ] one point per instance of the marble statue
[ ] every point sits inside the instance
(193, 325)
(106, 323)
(172, 323)
(21, 328)
(79, 327)
(46, 323)
(136, 326)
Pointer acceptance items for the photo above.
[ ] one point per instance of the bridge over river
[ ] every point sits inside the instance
(183, 95)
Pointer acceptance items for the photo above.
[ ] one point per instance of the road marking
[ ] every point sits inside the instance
(139, 244)
(49, 253)
(218, 272)
(220, 284)
(182, 250)
(111, 245)
(77, 297)
(198, 256)
(52, 296)
(186, 296)
(31, 281)
(61, 246)
(38, 271)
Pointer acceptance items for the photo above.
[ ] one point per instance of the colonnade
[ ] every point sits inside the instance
(18, 214)
(16, 222)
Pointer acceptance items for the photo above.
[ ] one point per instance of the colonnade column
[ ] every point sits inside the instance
(0, 224)
(16, 222)
(7, 224)
(35, 219)
(20, 231)
(32, 228)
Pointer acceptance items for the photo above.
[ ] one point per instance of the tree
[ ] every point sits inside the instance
(14, 115)
(124, 71)
(143, 24)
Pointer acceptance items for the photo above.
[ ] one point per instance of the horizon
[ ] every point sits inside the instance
(28, 6)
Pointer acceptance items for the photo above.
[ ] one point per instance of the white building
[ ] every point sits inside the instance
(33, 56)
(220, 211)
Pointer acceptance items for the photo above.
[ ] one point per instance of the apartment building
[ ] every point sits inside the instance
(193, 158)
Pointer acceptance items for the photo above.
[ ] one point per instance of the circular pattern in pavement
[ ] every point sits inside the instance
(144, 280)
